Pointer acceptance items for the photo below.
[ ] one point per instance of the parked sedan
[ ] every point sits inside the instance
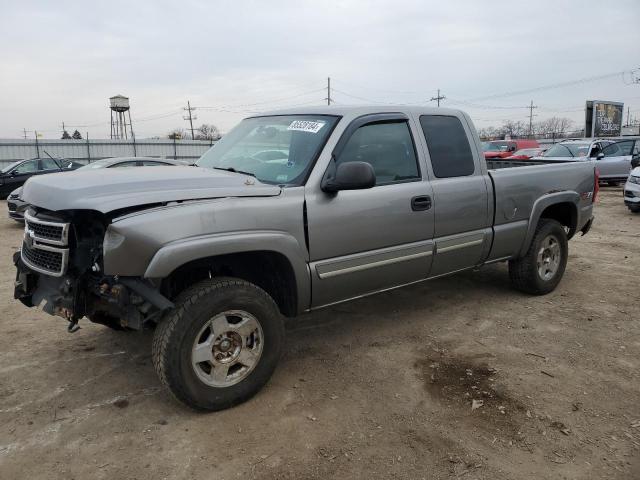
(632, 191)
(527, 153)
(15, 174)
(612, 156)
(119, 162)
(17, 206)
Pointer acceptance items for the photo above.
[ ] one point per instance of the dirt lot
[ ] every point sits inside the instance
(377, 388)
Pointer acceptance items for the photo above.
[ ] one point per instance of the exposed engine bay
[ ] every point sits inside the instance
(60, 265)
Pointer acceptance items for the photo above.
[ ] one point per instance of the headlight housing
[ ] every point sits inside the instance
(633, 179)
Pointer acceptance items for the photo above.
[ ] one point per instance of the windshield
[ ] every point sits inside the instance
(276, 149)
(11, 166)
(568, 150)
(496, 146)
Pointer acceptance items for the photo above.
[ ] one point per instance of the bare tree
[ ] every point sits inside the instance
(514, 129)
(490, 133)
(554, 127)
(208, 132)
(177, 134)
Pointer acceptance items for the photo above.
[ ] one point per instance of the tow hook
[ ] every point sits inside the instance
(73, 326)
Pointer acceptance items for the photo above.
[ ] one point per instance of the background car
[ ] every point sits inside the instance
(15, 174)
(612, 156)
(17, 206)
(632, 191)
(527, 153)
(119, 162)
(506, 148)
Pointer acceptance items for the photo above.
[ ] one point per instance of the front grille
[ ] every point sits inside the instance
(45, 246)
(629, 194)
(54, 233)
(12, 207)
(45, 259)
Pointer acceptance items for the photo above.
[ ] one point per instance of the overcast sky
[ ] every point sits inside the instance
(61, 61)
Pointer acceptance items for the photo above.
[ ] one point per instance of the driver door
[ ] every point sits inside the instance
(363, 241)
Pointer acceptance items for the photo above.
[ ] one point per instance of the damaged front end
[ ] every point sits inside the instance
(60, 266)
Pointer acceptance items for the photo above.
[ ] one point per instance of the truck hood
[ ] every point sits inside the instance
(109, 189)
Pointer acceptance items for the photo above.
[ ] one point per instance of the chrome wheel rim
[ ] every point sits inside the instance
(549, 257)
(227, 348)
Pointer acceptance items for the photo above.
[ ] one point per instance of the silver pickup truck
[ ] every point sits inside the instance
(290, 212)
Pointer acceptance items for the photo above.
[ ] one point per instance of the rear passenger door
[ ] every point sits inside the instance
(616, 163)
(461, 195)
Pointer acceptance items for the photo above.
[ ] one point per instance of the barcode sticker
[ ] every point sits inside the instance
(306, 126)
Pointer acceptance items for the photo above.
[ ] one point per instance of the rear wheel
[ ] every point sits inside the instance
(634, 209)
(219, 345)
(542, 267)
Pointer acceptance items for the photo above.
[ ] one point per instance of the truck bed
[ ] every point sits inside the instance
(498, 163)
(516, 191)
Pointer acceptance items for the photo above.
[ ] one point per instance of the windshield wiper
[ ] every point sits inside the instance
(234, 170)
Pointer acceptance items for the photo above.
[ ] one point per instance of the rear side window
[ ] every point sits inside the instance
(448, 146)
(387, 147)
(151, 163)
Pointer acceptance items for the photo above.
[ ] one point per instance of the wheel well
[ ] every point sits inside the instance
(565, 213)
(269, 270)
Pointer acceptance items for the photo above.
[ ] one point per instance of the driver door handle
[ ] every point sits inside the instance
(422, 202)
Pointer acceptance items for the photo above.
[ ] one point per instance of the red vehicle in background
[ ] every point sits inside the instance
(527, 153)
(506, 148)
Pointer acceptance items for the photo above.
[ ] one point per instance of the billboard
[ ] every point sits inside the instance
(603, 119)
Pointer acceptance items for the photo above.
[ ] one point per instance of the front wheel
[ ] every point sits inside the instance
(219, 345)
(542, 267)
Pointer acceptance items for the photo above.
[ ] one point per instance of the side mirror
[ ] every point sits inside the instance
(635, 161)
(600, 156)
(13, 173)
(349, 176)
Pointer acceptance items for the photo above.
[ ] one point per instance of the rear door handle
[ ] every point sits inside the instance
(422, 202)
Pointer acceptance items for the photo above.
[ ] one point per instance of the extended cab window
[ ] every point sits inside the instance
(448, 146)
(387, 147)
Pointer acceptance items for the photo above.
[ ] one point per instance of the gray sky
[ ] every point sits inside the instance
(61, 61)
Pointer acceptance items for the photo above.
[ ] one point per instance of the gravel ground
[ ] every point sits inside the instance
(378, 388)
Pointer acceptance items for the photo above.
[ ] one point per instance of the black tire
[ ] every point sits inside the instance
(613, 183)
(634, 209)
(175, 336)
(523, 272)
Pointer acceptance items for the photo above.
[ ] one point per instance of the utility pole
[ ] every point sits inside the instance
(531, 115)
(190, 117)
(628, 117)
(328, 99)
(438, 98)
(25, 133)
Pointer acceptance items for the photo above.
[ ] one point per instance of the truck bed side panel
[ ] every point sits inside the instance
(521, 195)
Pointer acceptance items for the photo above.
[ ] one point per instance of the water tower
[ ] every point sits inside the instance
(119, 106)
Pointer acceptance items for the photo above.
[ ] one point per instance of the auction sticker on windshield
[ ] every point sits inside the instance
(306, 126)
